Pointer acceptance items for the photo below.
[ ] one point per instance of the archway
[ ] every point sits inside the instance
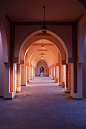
(63, 45)
(41, 70)
(31, 58)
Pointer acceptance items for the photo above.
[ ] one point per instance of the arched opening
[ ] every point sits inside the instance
(21, 36)
(53, 55)
(64, 53)
(41, 71)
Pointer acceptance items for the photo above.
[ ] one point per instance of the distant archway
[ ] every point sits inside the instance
(61, 48)
(41, 70)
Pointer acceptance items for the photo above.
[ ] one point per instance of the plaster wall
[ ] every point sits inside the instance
(44, 65)
(7, 30)
(80, 39)
(63, 31)
(84, 70)
(1, 68)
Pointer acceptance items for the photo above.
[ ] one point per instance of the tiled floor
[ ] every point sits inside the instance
(42, 105)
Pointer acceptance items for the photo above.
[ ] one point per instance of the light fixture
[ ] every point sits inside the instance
(42, 57)
(42, 45)
(44, 28)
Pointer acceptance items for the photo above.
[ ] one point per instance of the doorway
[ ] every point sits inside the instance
(41, 71)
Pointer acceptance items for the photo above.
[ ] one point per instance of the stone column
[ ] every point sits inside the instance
(8, 90)
(52, 73)
(22, 76)
(18, 88)
(55, 74)
(69, 78)
(27, 73)
(79, 94)
(60, 75)
(31, 73)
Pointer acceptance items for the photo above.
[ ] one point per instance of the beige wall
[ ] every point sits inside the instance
(44, 65)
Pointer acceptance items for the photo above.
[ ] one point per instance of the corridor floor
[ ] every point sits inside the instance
(42, 105)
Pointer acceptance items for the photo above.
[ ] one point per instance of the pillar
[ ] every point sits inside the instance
(18, 88)
(67, 88)
(60, 75)
(69, 78)
(31, 73)
(52, 73)
(22, 75)
(27, 73)
(79, 94)
(8, 90)
(55, 74)
(14, 78)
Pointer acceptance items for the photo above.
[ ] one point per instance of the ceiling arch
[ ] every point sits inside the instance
(53, 38)
(38, 55)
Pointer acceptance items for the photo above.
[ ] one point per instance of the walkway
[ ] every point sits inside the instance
(42, 105)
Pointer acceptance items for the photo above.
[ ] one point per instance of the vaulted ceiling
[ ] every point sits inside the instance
(32, 11)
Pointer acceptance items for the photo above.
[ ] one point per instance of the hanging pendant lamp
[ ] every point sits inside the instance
(44, 28)
(42, 57)
(42, 45)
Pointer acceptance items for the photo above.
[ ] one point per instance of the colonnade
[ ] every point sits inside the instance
(21, 75)
(64, 73)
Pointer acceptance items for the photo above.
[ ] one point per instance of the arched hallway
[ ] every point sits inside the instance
(42, 48)
(41, 106)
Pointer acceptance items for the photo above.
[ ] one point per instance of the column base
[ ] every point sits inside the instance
(60, 84)
(52, 78)
(55, 80)
(9, 96)
(67, 89)
(76, 96)
(18, 89)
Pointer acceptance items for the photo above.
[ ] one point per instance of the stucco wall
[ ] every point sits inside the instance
(44, 65)
(23, 31)
(80, 38)
(84, 70)
(5, 38)
(1, 68)
(7, 30)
